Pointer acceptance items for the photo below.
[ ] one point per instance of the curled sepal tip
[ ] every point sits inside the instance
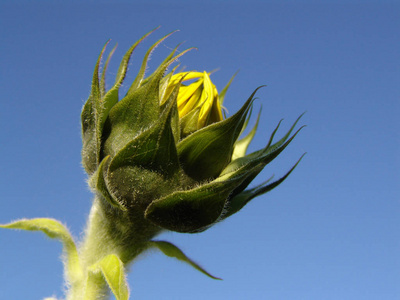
(240, 200)
(140, 76)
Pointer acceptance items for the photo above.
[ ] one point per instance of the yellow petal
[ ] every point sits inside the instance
(201, 93)
(187, 76)
(186, 91)
(191, 103)
(206, 100)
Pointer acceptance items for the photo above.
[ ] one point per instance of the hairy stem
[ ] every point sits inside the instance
(109, 231)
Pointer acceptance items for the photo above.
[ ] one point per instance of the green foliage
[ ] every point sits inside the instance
(55, 230)
(112, 269)
(172, 251)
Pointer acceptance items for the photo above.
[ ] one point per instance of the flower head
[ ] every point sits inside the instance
(165, 156)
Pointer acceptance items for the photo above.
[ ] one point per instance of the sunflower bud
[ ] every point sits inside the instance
(165, 155)
(198, 103)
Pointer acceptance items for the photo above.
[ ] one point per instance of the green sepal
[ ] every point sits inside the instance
(112, 269)
(206, 152)
(165, 82)
(165, 64)
(246, 122)
(192, 210)
(252, 164)
(55, 230)
(154, 148)
(138, 110)
(111, 97)
(240, 200)
(97, 108)
(104, 71)
(171, 250)
(171, 104)
(225, 89)
(136, 187)
(147, 167)
(98, 183)
(132, 114)
(89, 118)
(123, 67)
(240, 147)
(286, 136)
(270, 147)
(266, 154)
(140, 76)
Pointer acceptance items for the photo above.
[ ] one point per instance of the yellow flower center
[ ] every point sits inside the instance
(201, 94)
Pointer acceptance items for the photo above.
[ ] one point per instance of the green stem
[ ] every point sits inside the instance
(109, 231)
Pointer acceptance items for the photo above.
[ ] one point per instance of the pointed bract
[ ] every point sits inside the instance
(237, 202)
(192, 210)
(205, 153)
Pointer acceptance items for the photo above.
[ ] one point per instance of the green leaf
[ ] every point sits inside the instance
(112, 268)
(172, 251)
(54, 230)
(206, 152)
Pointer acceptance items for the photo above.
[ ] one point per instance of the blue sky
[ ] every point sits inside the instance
(330, 231)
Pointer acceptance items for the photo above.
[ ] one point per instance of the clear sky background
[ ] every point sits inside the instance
(330, 231)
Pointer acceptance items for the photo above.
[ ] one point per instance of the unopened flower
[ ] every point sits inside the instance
(164, 153)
